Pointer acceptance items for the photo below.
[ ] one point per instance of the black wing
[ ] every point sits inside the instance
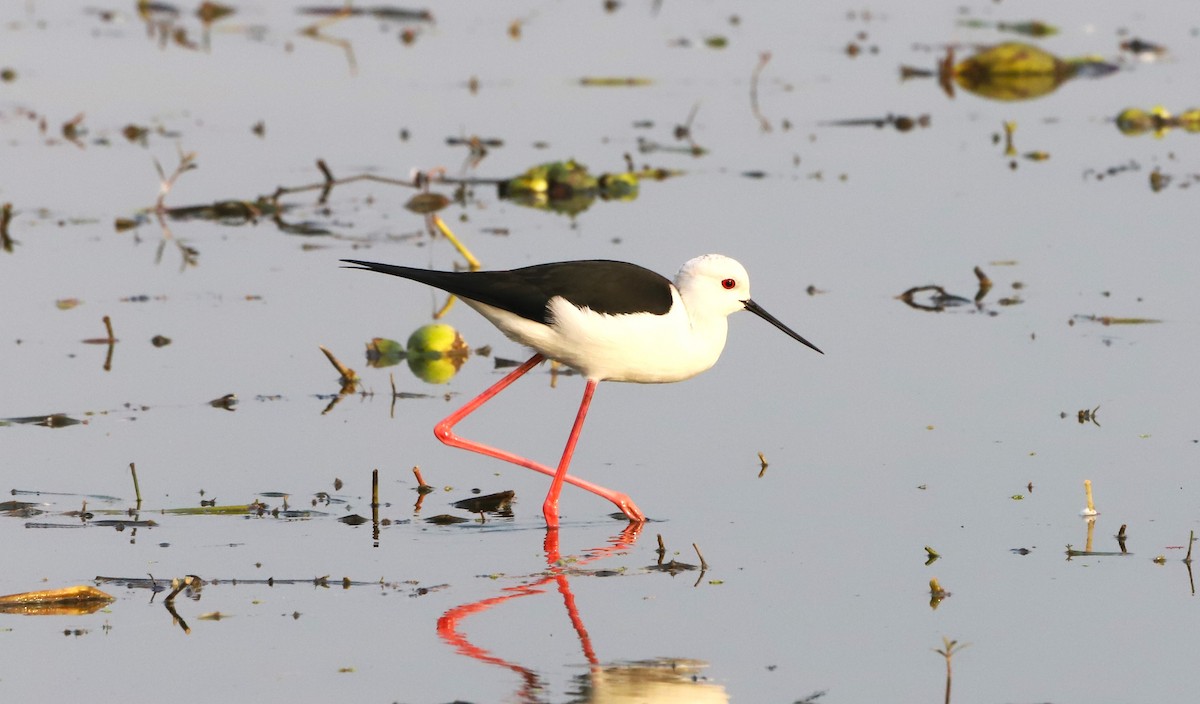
(604, 286)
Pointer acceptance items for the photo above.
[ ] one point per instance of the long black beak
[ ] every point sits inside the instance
(760, 312)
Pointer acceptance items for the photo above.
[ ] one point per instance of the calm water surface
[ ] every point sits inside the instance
(915, 428)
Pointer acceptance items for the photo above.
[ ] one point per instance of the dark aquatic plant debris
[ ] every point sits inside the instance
(499, 503)
(52, 420)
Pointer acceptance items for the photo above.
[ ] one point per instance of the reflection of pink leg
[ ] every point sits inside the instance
(448, 624)
(622, 542)
(444, 432)
(447, 628)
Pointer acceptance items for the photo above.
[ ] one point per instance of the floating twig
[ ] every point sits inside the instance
(6, 242)
(1009, 128)
(330, 181)
(324, 168)
(109, 339)
(763, 59)
(985, 285)
(449, 235)
(1112, 320)
(614, 81)
(187, 162)
(190, 581)
(703, 564)
(902, 123)
(392, 381)
(137, 491)
(940, 299)
(314, 31)
(422, 487)
(349, 376)
(763, 470)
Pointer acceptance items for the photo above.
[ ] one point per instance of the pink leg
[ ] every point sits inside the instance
(550, 507)
(444, 432)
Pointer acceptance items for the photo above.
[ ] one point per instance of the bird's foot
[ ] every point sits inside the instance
(630, 509)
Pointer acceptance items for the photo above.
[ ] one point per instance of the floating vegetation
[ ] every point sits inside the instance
(227, 402)
(1084, 416)
(499, 504)
(53, 420)
(567, 187)
(931, 556)
(902, 123)
(1134, 122)
(68, 601)
(19, 509)
(935, 299)
(427, 202)
(389, 13)
(1144, 51)
(228, 212)
(936, 593)
(938, 300)
(615, 81)
(434, 352)
(673, 567)
(1010, 71)
(6, 242)
(1030, 28)
(1013, 71)
(1113, 320)
(445, 519)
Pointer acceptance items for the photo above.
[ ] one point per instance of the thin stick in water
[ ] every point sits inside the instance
(1091, 505)
(137, 491)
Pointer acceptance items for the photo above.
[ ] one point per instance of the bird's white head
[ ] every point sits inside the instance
(713, 284)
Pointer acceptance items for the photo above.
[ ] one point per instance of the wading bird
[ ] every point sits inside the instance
(611, 321)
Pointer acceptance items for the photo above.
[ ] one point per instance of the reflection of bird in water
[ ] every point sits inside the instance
(663, 681)
(611, 321)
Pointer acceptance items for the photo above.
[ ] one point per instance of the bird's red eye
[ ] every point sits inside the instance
(729, 283)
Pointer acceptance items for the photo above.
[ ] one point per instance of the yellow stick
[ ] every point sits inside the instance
(471, 260)
(1091, 506)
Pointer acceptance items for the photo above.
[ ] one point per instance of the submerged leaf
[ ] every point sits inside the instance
(425, 203)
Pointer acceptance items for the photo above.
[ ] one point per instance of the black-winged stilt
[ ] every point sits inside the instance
(611, 321)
